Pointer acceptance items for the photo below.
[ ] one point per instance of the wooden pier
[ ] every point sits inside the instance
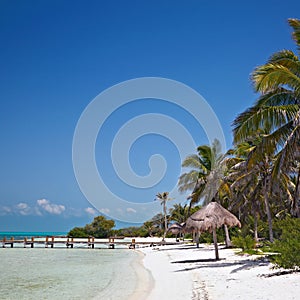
(89, 242)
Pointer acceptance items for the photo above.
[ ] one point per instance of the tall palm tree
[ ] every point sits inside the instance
(163, 198)
(203, 178)
(206, 177)
(252, 185)
(277, 112)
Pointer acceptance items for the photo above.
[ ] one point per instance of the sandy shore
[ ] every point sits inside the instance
(185, 272)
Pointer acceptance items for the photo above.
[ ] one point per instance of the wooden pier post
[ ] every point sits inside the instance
(89, 241)
(111, 244)
(132, 245)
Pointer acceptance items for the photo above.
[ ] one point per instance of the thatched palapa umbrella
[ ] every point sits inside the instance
(209, 218)
(175, 228)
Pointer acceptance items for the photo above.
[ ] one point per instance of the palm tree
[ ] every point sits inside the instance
(204, 175)
(179, 213)
(244, 198)
(149, 226)
(277, 113)
(163, 198)
(252, 184)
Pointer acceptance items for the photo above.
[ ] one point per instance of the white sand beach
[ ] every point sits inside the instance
(185, 272)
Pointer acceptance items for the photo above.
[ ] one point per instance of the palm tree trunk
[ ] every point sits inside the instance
(216, 244)
(197, 238)
(268, 211)
(227, 237)
(165, 216)
(295, 211)
(255, 227)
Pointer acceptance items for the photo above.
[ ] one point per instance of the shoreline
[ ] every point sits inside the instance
(185, 272)
(145, 283)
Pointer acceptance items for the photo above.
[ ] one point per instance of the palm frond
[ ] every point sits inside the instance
(295, 23)
(252, 120)
(271, 76)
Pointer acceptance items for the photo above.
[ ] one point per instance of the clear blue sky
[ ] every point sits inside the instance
(56, 56)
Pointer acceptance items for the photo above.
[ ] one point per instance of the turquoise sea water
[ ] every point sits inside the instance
(78, 273)
(42, 273)
(21, 235)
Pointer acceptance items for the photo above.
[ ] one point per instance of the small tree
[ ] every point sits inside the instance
(78, 232)
(100, 227)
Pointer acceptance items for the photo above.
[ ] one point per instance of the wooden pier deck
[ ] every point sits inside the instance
(90, 242)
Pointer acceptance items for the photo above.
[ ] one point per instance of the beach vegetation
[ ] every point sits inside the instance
(163, 198)
(132, 231)
(78, 232)
(99, 228)
(247, 243)
(287, 245)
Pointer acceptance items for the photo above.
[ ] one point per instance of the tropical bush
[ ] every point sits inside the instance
(78, 232)
(247, 243)
(288, 245)
(99, 228)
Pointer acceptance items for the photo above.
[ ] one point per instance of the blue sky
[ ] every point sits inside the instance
(57, 56)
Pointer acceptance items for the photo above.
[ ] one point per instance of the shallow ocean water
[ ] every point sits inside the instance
(45, 273)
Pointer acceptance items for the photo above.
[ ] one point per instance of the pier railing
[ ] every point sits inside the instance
(90, 242)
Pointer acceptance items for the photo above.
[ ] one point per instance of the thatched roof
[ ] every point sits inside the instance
(210, 217)
(175, 228)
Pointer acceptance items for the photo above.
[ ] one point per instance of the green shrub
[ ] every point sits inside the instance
(247, 243)
(207, 237)
(78, 232)
(288, 245)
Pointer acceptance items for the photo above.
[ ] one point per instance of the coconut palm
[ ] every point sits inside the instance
(179, 213)
(205, 172)
(206, 177)
(163, 198)
(277, 113)
(244, 199)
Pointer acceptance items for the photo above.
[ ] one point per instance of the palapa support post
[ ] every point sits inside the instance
(197, 236)
(216, 243)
